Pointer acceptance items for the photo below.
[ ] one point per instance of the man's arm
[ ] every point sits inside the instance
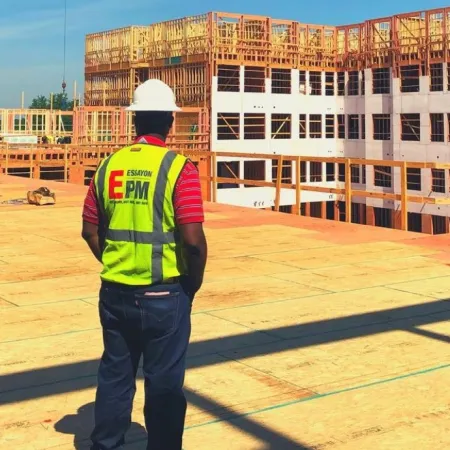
(90, 235)
(90, 230)
(196, 253)
(189, 216)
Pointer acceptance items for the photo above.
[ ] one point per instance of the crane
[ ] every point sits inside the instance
(64, 84)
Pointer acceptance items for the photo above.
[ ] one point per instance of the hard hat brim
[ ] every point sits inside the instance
(143, 108)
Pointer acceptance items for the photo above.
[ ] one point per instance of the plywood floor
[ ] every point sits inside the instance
(307, 334)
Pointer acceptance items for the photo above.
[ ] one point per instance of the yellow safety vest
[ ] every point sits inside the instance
(135, 189)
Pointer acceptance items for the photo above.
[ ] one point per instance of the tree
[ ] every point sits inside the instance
(40, 102)
(60, 101)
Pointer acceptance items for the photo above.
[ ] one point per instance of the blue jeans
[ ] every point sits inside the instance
(154, 322)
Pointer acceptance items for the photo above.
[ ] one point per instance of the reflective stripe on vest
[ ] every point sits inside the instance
(158, 237)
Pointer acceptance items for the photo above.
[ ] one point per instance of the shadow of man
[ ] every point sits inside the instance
(81, 424)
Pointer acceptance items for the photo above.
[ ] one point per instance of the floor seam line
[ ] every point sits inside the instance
(245, 326)
(375, 258)
(414, 293)
(7, 301)
(429, 278)
(49, 335)
(320, 396)
(263, 303)
(266, 373)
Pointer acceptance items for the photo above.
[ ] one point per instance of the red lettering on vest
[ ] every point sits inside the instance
(114, 183)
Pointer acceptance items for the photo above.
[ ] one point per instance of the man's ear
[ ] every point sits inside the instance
(170, 124)
(135, 123)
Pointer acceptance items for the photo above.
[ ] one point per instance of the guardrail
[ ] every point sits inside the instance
(88, 157)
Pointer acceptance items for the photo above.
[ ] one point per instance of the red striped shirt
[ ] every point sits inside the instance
(187, 202)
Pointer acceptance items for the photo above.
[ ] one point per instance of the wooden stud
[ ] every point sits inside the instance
(66, 163)
(31, 161)
(348, 191)
(298, 186)
(7, 159)
(214, 176)
(278, 183)
(404, 196)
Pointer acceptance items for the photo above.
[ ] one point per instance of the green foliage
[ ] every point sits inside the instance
(40, 102)
(60, 101)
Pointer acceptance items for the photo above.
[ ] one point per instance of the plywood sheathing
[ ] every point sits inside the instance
(340, 328)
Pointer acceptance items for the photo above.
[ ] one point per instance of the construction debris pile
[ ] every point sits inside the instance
(40, 197)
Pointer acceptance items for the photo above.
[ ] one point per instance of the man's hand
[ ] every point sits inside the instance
(196, 252)
(90, 234)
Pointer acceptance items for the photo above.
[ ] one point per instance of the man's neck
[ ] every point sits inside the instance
(151, 139)
(156, 136)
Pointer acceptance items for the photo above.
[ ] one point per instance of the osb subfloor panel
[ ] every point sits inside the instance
(307, 333)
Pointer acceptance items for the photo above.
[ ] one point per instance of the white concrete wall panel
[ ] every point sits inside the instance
(296, 103)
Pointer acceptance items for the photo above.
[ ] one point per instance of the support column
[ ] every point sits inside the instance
(361, 213)
(370, 215)
(348, 191)
(76, 174)
(204, 170)
(308, 209)
(36, 172)
(336, 211)
(323, 213)
(404, 198)
(427, 224)
(398, 219)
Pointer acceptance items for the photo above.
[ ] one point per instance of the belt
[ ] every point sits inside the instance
(173, 280)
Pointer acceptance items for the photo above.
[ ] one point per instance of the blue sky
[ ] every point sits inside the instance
(31, 31)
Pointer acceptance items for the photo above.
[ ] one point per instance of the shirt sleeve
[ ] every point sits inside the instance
(188, 202)
(90, 208)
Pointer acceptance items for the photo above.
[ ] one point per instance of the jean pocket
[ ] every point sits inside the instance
(106, 314)
(159, 312)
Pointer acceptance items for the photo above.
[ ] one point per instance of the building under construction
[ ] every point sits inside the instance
(339, 327)
(376, 90)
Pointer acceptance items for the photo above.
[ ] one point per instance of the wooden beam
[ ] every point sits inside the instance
(298, 186)
(257, 183)
(348, 191)
(66, 164)
(404, 197)
(278, 183)
(90, 155)
(214, 177)
(327, 190)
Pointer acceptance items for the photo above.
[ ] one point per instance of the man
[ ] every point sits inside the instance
(143, 220)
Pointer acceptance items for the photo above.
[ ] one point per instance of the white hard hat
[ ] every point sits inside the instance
(153, 95)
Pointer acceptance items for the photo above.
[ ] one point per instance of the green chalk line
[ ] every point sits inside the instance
(319, 396)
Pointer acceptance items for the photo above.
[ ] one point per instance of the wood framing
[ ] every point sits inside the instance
(35, 122)
(114, 125)
(187, 52)
(71, 159)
